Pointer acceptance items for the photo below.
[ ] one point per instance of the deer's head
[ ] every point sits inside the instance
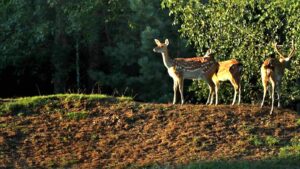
(286, 60)
(161, 47)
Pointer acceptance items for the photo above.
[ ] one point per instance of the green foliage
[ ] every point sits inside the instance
(244, 30)
(39, 41)
(41, 35)
(134, 67)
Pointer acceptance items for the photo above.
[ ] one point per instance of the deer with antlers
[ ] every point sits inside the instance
(272, 71)
(189, 68)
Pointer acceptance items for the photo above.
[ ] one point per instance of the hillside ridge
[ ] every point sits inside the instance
(106, 132)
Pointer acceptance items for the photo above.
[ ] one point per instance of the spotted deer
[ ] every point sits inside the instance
(231, 70)
(189, 68)
(272, 71)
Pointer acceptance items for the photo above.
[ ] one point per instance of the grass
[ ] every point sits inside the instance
(295, 140)
(271, 141)
(30, 105)
(288, 158)
(65, 162)
(255, 140)
(292, 149)
(76, 115)
(280, 163)
(3, 125)
(260, 141)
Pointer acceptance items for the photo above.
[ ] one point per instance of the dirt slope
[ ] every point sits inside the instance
(130, 134)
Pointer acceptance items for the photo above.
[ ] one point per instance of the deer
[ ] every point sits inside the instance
(189, 68)
(231, 70)
(272, 71)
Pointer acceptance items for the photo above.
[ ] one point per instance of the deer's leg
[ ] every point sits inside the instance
(211, 86)
(216, 91)
(240, 92)
(272, 94)
(216, 84)
(175, 86)
(212, 96)
(265, 86)
(209, 95)
(278, 94)
(234, 96)
(235, 87)
(180, 82)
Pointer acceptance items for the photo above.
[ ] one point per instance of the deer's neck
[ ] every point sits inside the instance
(168, 62)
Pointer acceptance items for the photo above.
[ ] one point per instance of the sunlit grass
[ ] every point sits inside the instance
(28, 105)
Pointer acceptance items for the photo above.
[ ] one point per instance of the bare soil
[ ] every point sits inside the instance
(132, 134)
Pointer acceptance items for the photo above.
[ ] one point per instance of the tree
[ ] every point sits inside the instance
(133, 67)
(58, 46)
(23, 45)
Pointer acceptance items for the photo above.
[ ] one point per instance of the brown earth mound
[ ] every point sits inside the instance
(131, 134)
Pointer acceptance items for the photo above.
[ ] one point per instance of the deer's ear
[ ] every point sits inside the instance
(167, 42)
(157, 42)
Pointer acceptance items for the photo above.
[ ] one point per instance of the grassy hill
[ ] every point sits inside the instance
(98, 131)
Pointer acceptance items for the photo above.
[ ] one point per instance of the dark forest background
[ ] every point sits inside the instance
(105, 46)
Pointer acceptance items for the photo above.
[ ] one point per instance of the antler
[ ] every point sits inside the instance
(276, 49)
(292, 50)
